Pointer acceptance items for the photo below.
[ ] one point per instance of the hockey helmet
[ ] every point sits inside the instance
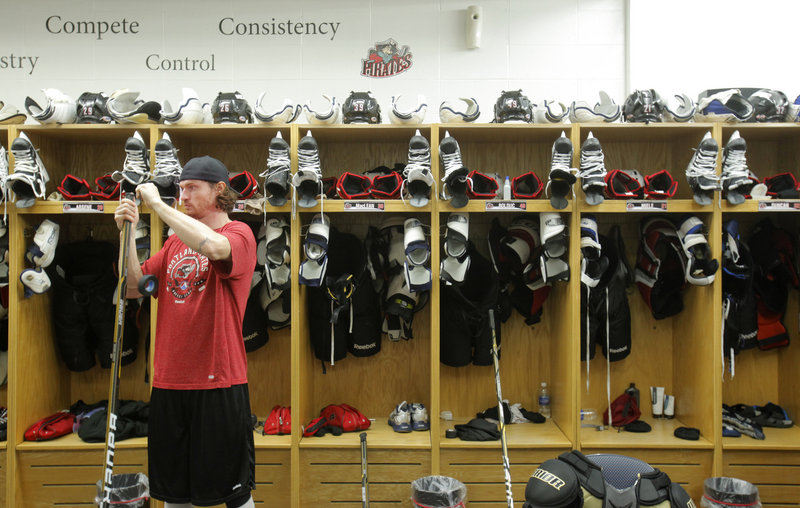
(361, 107)
(231, 107)
(92, 108)
(768, 105)
(643, 106)
(513, 106)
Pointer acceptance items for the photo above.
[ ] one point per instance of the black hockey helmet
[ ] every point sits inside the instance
(768, 105)
(361, 107)
(513, 106)
(231, 107)
(643, 106)
(92, 108)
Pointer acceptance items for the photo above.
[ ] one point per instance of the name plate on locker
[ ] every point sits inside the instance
(364, 206)
(83, 207)
(645, 205)
(778, 206)
(238, 206)
(510, 206)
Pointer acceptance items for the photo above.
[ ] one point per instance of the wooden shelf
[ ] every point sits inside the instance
(752, 205)
(621, 206)
(480, 205)
(379, 435)
(57, 207)
(518, 435)
(774, 439)
(389, 205)
(73, 442)
(660, 437)
(270, 442)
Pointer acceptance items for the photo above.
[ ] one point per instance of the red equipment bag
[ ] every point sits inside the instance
(55, 425)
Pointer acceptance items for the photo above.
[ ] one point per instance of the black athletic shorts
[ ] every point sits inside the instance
(200, 445)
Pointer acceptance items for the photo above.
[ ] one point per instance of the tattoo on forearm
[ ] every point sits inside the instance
(200, 246)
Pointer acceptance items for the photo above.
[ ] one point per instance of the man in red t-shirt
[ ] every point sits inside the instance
(200, 440)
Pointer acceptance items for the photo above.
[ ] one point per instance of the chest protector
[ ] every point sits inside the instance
(575, 481)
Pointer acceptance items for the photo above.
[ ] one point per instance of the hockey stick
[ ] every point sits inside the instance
(147, 285)
(364, 481)
(506, 464)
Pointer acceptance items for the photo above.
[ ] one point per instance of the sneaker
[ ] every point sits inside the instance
(418, 170)
(455, 174)
(29, 179)
(419, 417)
(308, 179)
(562, 176)
(43, 249)
(593, 170)
(737, 179)
(700, 267)
(189, 112)
(168, 169)
(276, 176)
(136, 168)
(400, 418)
(701, 173)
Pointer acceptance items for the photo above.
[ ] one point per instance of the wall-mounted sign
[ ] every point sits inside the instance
(386, 59)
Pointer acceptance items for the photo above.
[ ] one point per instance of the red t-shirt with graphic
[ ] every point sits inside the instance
(201, 306)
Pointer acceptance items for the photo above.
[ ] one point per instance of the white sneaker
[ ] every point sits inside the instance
(308, 179)
(593, 170)
(29, 179)
(418, 170)
(60, 108)
(35, 281)
(189, 112)
(43, 249)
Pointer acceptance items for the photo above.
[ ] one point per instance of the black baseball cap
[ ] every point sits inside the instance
(207, 169)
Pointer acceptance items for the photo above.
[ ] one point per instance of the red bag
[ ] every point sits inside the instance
(285, 420)
(624, 410)
(55, 425)
(337, 416)
(272, 424)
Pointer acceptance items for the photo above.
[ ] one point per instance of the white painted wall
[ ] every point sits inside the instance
(555, 49)
(689, 45)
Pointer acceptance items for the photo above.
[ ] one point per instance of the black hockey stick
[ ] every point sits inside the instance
(147, 285)
(506, 464)
(364, 481)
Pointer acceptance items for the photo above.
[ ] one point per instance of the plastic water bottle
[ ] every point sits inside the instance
(544, 400)
(507, 189)
(589, 417)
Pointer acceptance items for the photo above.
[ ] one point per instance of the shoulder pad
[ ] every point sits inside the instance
(589, 474)
(653, 488)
